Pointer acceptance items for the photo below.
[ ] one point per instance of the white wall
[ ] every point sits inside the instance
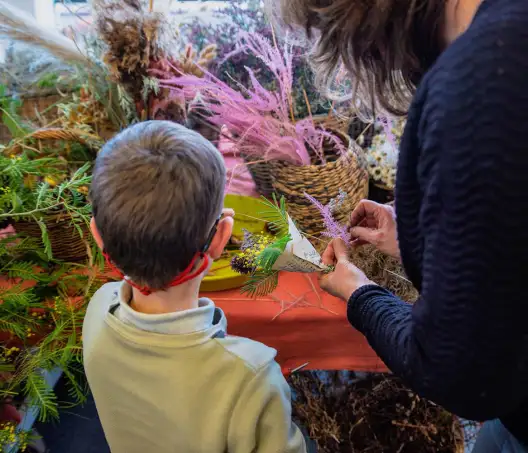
(41, 10)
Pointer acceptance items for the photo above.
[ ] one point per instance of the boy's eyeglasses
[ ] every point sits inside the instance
(211, 235)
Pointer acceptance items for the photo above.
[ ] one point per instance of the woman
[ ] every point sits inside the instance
(461, 201)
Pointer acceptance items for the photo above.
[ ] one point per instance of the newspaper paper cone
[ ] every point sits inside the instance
(299, 254)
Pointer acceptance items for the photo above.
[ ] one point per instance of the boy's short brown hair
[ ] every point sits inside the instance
(156, 193)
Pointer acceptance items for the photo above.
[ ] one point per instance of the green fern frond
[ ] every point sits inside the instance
(42, 192)
(6, 367)
(150, 85)
(276, 215)
(45, 239)
(77, 391)
(261, 284)
(21, 269)
(11, 326)
(41, 396)
(18, 297)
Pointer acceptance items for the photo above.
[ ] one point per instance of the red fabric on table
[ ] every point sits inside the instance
(302, 333)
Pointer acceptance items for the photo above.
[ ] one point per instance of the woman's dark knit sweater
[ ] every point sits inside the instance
(462, 213)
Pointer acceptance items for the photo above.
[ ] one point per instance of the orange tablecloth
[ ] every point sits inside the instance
(302, 333)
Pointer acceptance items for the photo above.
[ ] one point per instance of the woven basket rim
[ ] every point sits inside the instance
(59, 216)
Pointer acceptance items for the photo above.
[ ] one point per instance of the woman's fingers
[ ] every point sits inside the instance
(228, 212)
(365, 235)
(364, 210)
(337, 251)
(328, 257)
(340, 250)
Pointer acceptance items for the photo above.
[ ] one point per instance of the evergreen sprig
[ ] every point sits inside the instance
(261, 284)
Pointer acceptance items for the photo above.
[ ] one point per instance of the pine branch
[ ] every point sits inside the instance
(21, 269)
(7, 325)
(75, 389)
(45, 239)
(261, 283)
(41, 396)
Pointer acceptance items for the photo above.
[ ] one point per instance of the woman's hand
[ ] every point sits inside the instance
(346, 277)
(373, 223)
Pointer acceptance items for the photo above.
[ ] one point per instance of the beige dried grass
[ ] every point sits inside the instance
(134, 37)
(385, 271)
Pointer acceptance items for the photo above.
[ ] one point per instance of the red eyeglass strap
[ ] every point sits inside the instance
(183, 277)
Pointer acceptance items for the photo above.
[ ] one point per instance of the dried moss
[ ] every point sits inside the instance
(375, 414)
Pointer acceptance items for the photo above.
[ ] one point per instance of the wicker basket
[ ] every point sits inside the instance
(261, 172)
(30, 110)
(323, 182)
(67, 244)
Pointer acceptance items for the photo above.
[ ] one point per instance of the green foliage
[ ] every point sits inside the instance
(48, 310)
(48, 80)
(271, 253)
(41, 396)
(26, 194)
(9, 107)
(276, 215)
(261, 283)
(264, 279)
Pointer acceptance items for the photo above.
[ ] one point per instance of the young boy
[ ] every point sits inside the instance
(164, 374)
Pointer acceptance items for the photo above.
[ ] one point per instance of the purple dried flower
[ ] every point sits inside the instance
(333, 228)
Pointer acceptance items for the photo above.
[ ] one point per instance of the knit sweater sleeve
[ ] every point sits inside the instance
(464, 343)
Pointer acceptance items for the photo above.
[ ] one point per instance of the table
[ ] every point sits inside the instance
(303, 333)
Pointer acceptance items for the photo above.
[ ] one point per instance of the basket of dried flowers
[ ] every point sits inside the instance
(283, 154)
(44, 194)
(261, 170)
(335, 172)
(382, 154)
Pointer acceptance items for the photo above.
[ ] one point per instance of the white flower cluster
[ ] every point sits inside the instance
(382, 155)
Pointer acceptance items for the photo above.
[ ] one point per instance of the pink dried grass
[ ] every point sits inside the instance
(261, 120)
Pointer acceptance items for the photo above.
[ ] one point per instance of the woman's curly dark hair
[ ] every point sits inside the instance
(386, 46)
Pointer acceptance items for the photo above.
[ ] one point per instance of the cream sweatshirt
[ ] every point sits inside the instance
(176, 383)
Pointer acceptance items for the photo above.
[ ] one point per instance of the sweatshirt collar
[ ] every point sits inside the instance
(176, 323)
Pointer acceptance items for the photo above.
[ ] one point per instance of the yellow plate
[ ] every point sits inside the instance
(224, 277)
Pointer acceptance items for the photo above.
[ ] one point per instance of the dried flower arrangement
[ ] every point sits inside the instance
(264, 255)
(382, 154)
(263, 120)
(300, 153)
(138, 41)
(240, 15)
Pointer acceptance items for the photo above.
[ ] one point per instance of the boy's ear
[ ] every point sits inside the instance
(221, 238)
(95, 233)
